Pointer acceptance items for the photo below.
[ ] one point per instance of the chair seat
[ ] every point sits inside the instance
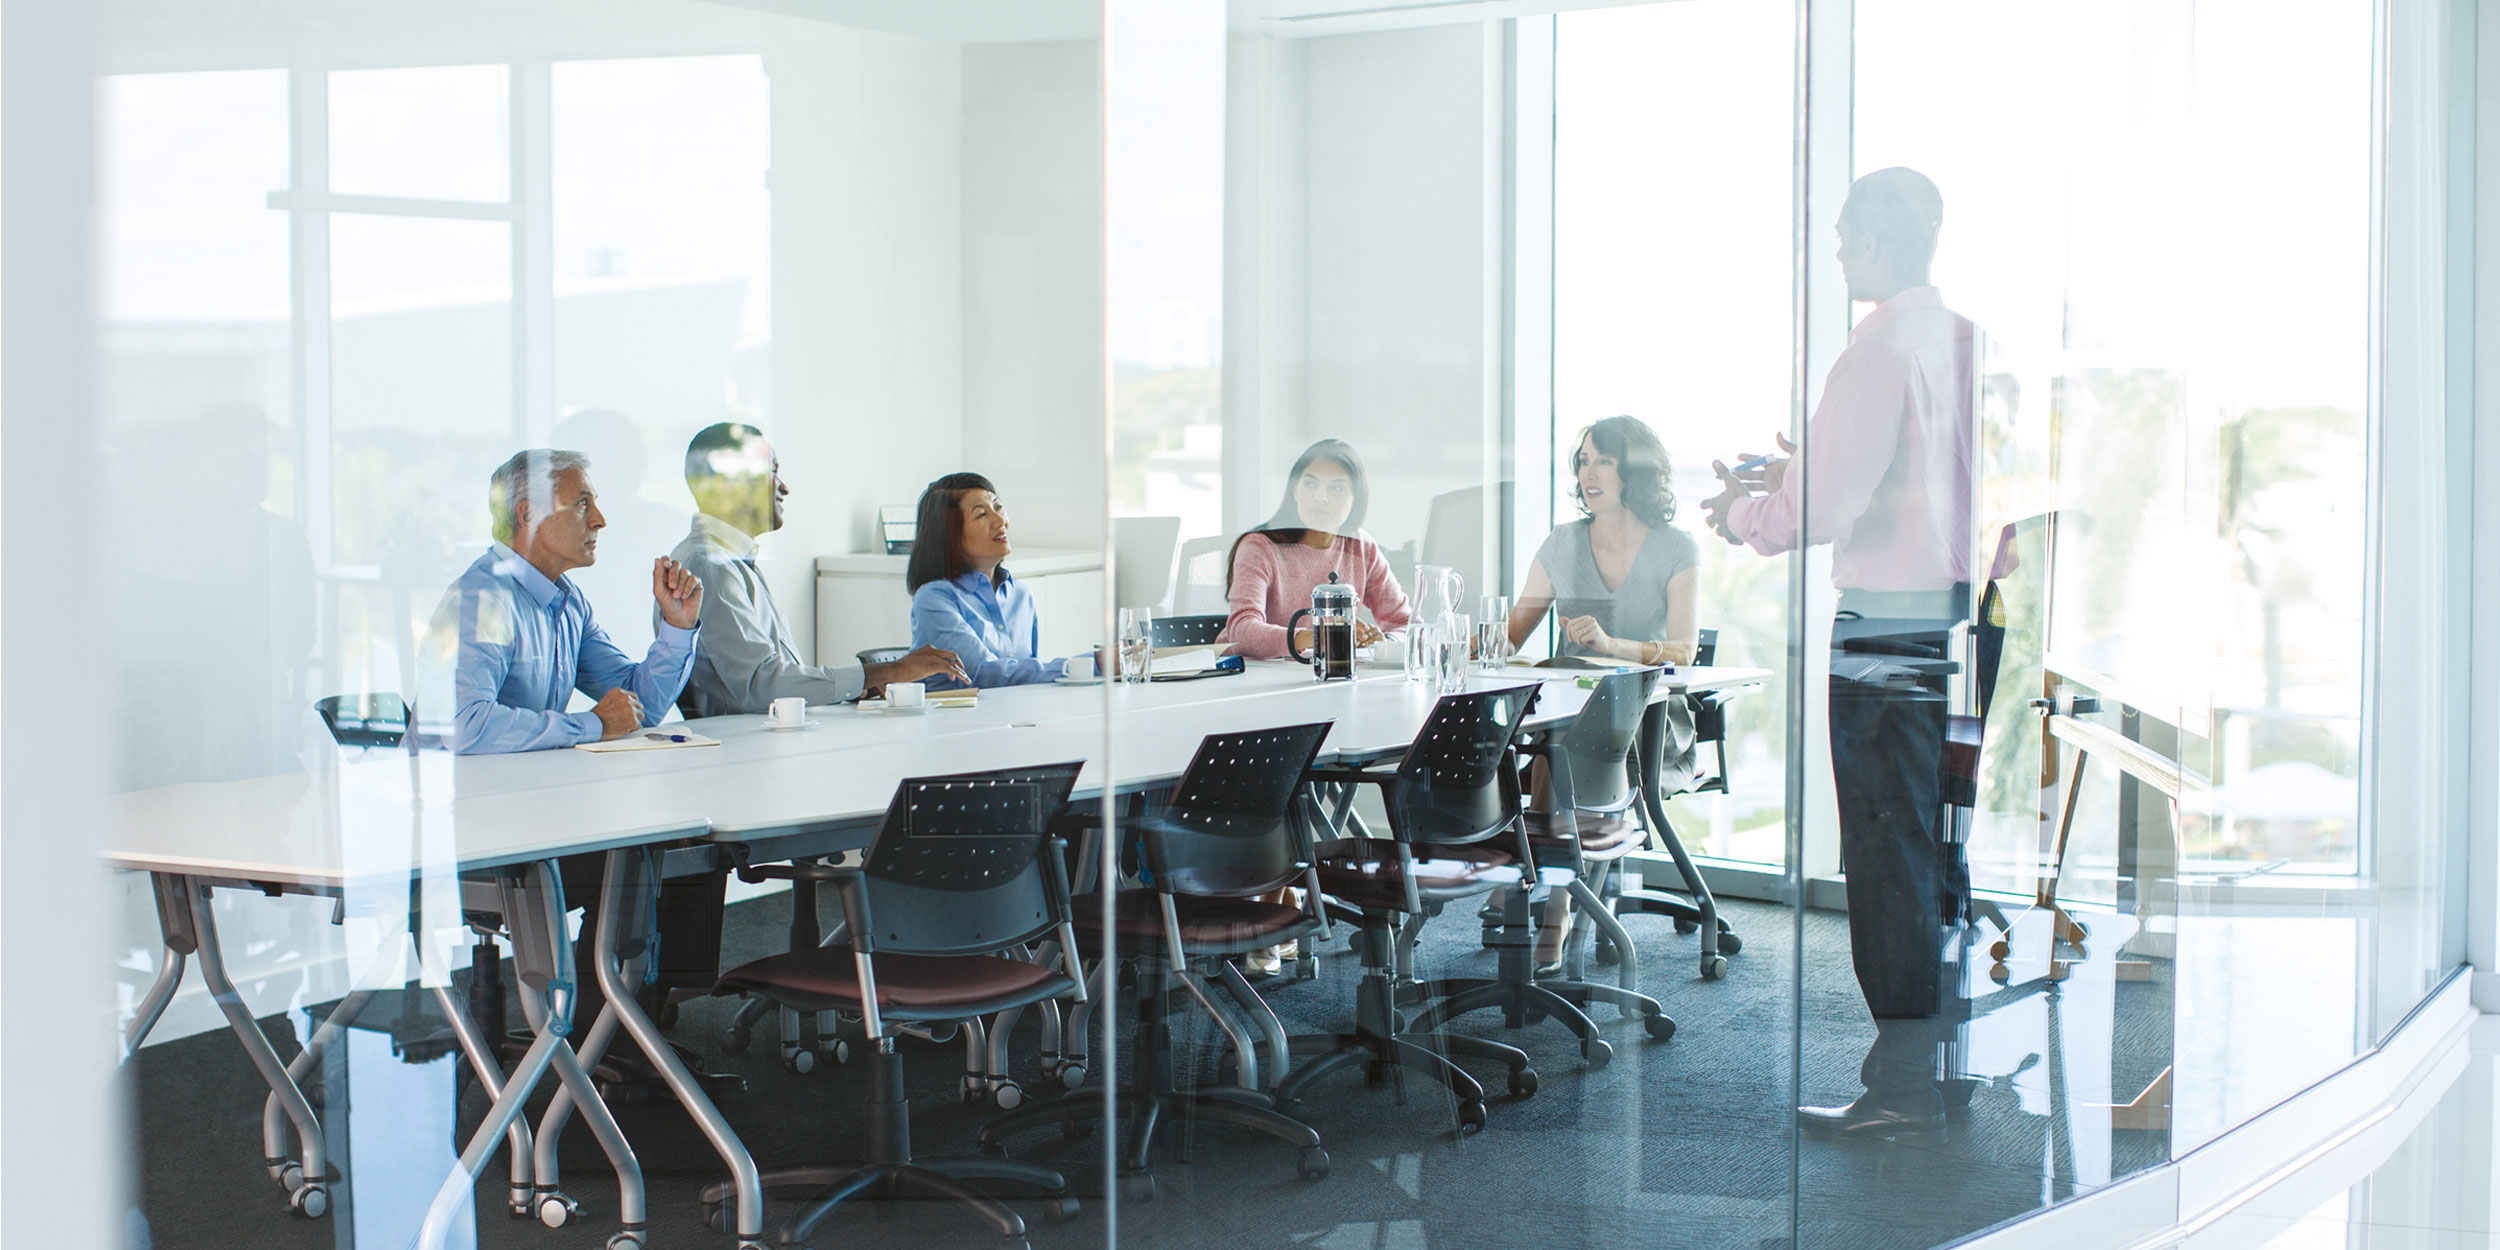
(1601, 836)
(910, 987)
(1209, 926)
(1366, 879)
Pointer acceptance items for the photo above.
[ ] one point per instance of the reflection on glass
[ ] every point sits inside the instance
(437, 133)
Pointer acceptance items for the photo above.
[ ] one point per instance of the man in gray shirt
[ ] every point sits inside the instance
(744, 656)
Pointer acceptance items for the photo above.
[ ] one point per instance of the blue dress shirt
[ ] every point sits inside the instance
(525, 644)
(994, 630)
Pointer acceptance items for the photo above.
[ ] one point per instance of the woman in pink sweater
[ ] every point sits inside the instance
(1317, 530)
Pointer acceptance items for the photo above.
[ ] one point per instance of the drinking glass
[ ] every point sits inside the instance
(1423, 654)
(1457, 635)
(1137, 644)
(1493, 632)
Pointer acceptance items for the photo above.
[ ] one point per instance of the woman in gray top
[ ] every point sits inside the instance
(1622, 578)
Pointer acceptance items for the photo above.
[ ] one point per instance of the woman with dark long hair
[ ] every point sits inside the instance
(1622, 578)
(963, 599)
(1317, 530)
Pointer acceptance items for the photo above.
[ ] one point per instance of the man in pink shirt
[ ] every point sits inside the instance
(1888, 485)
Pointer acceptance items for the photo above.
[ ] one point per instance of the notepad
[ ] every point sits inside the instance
(666, 741)
(968, 696)
(1176, 660)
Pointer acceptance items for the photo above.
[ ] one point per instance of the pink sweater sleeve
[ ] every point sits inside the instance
(1249, 632)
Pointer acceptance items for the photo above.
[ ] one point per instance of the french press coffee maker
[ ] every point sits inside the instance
(1332, 631)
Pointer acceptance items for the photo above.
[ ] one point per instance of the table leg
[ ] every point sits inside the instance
(273, 1115)
(312, 1199)
(481, 1056)
(535, 916)
(173, 923)
(630, 887)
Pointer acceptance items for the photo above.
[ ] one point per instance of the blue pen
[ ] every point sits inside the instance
(661, 737)
(1753, 464)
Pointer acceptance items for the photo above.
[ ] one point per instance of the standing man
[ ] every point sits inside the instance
(747, 657)
(1889, 489)
(520, 637)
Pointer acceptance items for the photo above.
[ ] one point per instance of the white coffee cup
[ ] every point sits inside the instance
(787, 712)
(1081, 667)
(907, 694)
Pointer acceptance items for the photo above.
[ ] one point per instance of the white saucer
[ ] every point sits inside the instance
(805, 724)
(1077, 681)
(881, 705)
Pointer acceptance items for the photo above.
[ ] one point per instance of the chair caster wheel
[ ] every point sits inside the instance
(1729, 943)
(800, 1062)
(840, 1050)
(1714, 967)
(629, 1239)
(1314, 1164)
(1008, 1095)
(1523, 1082)
(1606, 956)
(1660, 1026)
(520, 1204)
(1016, 1242)
(1137, 1187)
(1072, 1076)
(1076, 1130)
(734, 1040)
(290, 1176)
(1061, 1209)
(716, 1218)
(556, 1210)
(312, 1202)
(1596, 1053)
(1471, 1118)
(1686, 928)
(666, 1016)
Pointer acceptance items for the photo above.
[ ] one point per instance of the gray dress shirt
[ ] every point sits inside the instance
(744, 655)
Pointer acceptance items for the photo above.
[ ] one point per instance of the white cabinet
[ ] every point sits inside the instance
(860, 601)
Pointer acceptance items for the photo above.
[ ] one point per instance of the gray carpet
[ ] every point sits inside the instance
(1685, 1143)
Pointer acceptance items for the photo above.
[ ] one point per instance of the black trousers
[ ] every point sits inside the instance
(1887, 769)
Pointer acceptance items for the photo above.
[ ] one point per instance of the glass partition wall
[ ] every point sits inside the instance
(1732, 623)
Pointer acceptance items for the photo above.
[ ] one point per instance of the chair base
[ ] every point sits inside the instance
(948, 1178)
(1387, 1046)
(1144, 1112)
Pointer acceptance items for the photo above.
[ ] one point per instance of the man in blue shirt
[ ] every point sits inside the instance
(520, 638)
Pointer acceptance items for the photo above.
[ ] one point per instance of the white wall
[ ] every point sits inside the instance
(867, 288)
(1368, 272)
(1032, 285)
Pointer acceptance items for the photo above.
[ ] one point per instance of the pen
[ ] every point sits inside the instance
(1753, 464)
(661, 737)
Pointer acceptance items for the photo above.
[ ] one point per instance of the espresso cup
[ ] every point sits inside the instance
(1081, 667)
(788, 711)
(903, 694)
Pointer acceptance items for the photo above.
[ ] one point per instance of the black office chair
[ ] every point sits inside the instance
(1187, 631)
(365, 720)
(1224, 839)
(1590, 770)
(963, 871)
(1453, 808)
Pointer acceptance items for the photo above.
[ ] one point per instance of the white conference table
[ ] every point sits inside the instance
(380, 820)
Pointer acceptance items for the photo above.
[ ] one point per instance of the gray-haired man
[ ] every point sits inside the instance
(520, 637)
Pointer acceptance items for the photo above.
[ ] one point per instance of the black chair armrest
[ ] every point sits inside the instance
(809, 870)
(1336, 775)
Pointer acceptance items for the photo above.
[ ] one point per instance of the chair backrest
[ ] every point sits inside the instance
(1708, 651)
(1590, 764)
(882, 655)
(1455, 784)
(1143, 545)
(1224, 832)
(1188, 631)
(958, 867)
(1199, 588)
(365, 720)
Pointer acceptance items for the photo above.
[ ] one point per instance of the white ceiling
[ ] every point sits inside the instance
(956, 21)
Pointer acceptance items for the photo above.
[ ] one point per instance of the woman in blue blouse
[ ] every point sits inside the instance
(962, 596)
